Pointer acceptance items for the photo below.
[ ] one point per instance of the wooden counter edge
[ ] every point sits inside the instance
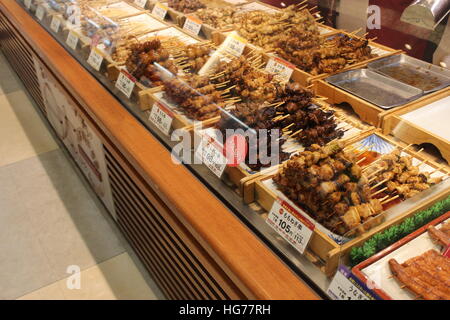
(245, 259)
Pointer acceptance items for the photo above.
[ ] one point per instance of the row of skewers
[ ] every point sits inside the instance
(343, 195)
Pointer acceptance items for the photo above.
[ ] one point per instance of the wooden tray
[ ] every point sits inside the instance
(367, 111)
(325, 250)
(409, 132)
(241, 177)
(358, 269)
(305, 78)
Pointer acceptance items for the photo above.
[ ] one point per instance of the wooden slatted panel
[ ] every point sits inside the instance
(176, 269)
(20, 56)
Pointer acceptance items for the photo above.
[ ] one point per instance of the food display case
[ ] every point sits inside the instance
(233, 170)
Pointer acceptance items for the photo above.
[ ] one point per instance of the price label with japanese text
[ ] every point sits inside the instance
(289, 223)
(345, 286)
(211, 154)
(281, 69)
(40, 12)
(140, 3)
(95, 59)
(161, 117)
(27, 4)
(125, 83)
(193, 25)
(160, 10)
(55, 24)
(234, 44)
(72, 40)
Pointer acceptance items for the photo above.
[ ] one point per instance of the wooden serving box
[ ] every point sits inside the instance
(368, 112)
(412, 133)
(240, 177)
(305, 78)
(322, 250)
(358, 269)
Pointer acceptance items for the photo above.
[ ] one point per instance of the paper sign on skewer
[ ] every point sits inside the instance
(55, 24)
(125, 83)
(289, 223)
(234, 44)
(40, 12)
(72, 40)
(161, 117)
(95, 59)
(281, 68)
(193, 25)
(160, 10)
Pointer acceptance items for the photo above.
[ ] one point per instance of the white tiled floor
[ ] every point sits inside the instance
(50, 219)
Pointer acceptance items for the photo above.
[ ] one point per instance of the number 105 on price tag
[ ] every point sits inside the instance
(290, 224)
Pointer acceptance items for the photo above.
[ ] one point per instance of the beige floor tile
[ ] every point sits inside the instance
(9, 82)
(115, 279)
(27, 136)
(50, 292)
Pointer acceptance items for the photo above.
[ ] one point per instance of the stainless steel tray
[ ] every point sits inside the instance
(414, 72)
(382, 91)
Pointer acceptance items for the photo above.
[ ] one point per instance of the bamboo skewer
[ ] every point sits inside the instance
(391, 199)
(379, 184)
(378, 192)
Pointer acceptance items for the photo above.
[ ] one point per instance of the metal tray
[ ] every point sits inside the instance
(375, 88)
(414, 72)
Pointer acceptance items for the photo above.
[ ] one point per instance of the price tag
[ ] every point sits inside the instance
(193, 25)
(40, 11)
(234, 44)
(27, 4)
(72, 40)
(125, 83)
(140, 3)
(55, 24)
(211, 153)
(160, 10)
(282, 69)
(161, 117)
(290, 224)
(345, 286)
(95, 59)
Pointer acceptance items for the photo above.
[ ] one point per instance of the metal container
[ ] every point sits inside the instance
(375, 88)
(414, 72)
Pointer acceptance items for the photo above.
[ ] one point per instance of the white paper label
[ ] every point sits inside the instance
(282, 69)
(343, 288)
(55, 24)
(212, 155)
(234, 44)
(72, 40)
(27, 4)
(140, 3)
(95, 59)
(161, 117)
(290, 224)
(125, 83)
(40, 11)
(160, 10)
(192, 25)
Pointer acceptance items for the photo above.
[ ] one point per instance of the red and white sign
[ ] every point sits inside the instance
(125, 83)
(289, 223)
(447, 252)
(161, 117)
(281, 68)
